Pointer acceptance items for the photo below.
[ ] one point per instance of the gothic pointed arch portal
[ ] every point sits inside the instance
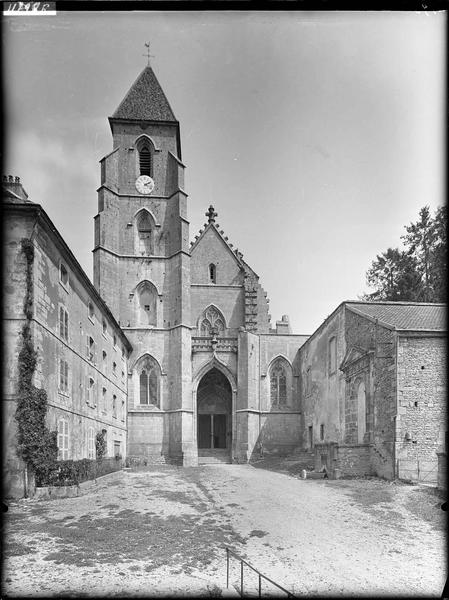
(214, 417)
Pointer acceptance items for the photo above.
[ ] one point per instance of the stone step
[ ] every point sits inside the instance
(206, 460)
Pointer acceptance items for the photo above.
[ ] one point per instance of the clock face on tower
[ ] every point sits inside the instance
(144, 184)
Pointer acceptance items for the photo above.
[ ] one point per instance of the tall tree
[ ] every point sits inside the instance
(419, 241)
(419, 272)
(438, 268)
(394, 276)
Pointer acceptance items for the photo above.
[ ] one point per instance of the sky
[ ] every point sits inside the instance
(316, 136)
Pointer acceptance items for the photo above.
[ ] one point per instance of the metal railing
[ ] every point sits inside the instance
(230, 552)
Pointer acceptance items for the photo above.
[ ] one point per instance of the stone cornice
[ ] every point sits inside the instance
(135, 257)
(140, 196)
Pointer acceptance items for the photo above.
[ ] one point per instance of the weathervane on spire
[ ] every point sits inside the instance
(148, 55)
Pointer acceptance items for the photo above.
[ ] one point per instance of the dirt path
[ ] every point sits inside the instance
(163, 531)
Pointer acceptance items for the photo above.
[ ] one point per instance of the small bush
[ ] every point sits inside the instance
(74, 472)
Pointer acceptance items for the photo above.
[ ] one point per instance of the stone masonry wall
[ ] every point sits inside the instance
(322, 389)
(421, 423)
(354, 460)
(368, 335)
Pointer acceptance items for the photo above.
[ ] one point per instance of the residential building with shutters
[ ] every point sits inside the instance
(75, 336)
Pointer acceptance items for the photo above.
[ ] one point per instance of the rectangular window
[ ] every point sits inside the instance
(321, 432)
(117, 448)
(90, 399)
(103, 400)
(63, 274)
(332, 355)
(114, 406)
(310, 436)
(91, 310)
(114, 368)
(308, 385)
(63, 375)
(123, 411)
(103, 171)
(63, 323)
(63, 440)
(90, 349)
(90, 443)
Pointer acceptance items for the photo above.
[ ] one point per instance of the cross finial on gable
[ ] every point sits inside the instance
(211, 214)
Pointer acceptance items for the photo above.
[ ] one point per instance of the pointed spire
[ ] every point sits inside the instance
(211, 214)
(145, 100)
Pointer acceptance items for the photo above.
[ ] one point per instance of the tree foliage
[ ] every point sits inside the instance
(418, 272)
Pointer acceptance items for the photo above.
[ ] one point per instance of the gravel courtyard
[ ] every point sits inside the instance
(162, 531)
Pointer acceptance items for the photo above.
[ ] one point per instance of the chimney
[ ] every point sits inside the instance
(283, 326)
(12, 184)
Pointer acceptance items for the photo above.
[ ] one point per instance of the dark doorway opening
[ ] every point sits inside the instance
(212, 431)
(214, 416)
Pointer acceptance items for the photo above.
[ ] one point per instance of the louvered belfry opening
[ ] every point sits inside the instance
(145, 161)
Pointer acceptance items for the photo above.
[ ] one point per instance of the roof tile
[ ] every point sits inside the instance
(402, 315)
(145, 100)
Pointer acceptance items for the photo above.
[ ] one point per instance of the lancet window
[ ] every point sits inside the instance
(279, 382)
(148, 373)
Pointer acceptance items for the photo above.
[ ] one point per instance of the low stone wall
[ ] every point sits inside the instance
(442, 473)
(52, 492)
(353, 460)
(152, 459)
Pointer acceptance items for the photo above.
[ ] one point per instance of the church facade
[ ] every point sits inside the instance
(171, 352)
(195, 314)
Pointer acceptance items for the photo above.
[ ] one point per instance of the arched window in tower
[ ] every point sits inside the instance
(145, 234)
(148, 378)
(279, 381)
(211, 321)
(212, 273)
(145, 161)
(147, 304)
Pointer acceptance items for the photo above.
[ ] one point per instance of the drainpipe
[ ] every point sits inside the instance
(395, 466)
(258, 386)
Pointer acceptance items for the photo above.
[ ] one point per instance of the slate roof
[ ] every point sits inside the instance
(411, 316)
(145, 100)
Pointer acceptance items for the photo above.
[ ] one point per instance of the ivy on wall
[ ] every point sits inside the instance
(100, 444)
(36, 444)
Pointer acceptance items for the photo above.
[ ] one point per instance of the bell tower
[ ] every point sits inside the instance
(142, 267)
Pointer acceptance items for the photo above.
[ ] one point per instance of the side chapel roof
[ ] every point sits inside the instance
(405, 316)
